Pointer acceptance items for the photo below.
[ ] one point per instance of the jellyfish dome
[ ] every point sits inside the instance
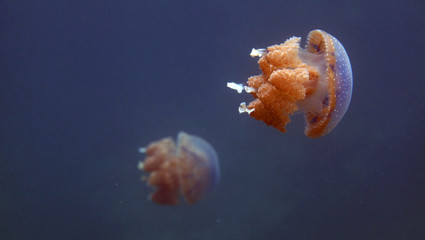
(316, 81)
(188, 168)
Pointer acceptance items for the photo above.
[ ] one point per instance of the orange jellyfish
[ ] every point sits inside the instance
(188, 168)
(316, 81)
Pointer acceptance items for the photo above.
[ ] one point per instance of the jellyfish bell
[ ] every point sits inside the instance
(188, 168)
(200, 171)
(339, 81)
(316, 81)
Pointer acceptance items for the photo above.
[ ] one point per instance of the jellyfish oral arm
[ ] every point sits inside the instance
(257, 52)
(244, 109)
(240, 87)
(235, 86)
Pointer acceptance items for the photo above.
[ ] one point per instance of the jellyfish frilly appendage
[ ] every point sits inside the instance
(161, 163)
(285, 81)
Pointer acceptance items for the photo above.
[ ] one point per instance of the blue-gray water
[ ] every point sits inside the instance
(84, 84)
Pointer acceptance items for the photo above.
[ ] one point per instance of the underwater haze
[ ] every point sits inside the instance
(85, 84)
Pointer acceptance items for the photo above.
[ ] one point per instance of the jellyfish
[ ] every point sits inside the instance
(188, 168)
(316, 81)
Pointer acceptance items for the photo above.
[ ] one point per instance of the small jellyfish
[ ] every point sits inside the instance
(189, 169)
(316, 81)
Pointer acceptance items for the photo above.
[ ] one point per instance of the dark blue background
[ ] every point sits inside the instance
(85, 83)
